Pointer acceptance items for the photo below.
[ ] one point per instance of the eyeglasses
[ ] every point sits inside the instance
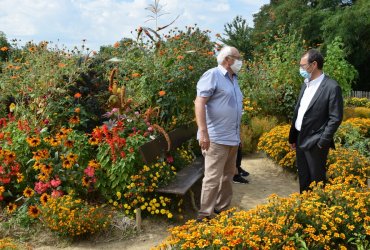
(234, 57)
(304, 65)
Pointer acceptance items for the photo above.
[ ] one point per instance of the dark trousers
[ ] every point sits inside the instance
(239, 159)
(311, 166)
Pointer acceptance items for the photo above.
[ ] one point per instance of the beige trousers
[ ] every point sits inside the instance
(219, 170)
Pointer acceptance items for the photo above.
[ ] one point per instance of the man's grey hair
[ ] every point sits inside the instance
(224, 52)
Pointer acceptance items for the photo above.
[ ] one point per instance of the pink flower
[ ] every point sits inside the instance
(169, 159)
(55, 182)
(41, 187)
(56, 193)
(89, 171)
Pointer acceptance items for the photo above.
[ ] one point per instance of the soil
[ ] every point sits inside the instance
(265, 178)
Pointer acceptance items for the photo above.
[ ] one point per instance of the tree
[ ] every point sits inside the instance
(239, 36)
(319, 22)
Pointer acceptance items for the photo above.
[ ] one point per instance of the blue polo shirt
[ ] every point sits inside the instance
(224, 107)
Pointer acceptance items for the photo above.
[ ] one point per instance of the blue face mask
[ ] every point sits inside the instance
(304, 73)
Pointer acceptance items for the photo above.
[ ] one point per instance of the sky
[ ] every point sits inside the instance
(103, 22)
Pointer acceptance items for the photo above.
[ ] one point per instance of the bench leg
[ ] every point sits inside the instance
(138, 218)
(192, 199)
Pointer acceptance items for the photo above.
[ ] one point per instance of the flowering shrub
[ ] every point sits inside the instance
(37, 161)
(7, 243)
(141, 191)
(327, 218)
(275, 144)
(72, 217)
(357, 102)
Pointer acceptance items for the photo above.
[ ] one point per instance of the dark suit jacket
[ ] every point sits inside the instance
(322, 118)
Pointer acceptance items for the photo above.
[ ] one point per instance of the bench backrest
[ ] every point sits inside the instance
(158, 147)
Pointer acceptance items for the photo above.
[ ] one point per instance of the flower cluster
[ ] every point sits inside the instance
(357, 102)
(275, 144)
(315, 218)
(73, 217)
(10, 172)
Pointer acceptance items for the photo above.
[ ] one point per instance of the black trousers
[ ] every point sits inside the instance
(239, 159)
(311, 166)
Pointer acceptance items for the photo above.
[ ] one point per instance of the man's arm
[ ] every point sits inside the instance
(200, 116)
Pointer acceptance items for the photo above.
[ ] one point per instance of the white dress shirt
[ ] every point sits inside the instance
(308, 94)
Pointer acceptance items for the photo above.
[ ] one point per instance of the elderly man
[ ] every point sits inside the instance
(218, 111)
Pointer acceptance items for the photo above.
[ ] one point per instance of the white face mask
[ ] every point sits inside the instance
(237, 65)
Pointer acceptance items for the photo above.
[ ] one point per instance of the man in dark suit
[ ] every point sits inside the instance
(316, 118)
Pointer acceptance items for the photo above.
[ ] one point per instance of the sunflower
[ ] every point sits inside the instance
(28, 192)
(67, 164)
(9, 156)
(94, 164)
(74, 119)
(20, 177)
(44, 198)
(11, 208)
(85, 181)
(54, 142)
(60, 135)
(72, 157)
(33, 141)
(66, 130)
(69, 143)
(93, 141)
(33, 211)
(43, 176)
(46, 169)
(40, 154)
(37, 165)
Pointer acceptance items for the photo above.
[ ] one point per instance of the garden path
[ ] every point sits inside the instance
(265, 178)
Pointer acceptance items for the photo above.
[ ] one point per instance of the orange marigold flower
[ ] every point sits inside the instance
(190, 67)
(4, 48)
(74, 119)
(77, 95)
(33, 211)
(28, 192)
(211, 53)
(162, 93)
(180, 57)
(61, 65)
(77, 110)
(116, 44)
(135, 75)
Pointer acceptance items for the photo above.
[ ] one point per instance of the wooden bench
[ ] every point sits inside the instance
(186, 177)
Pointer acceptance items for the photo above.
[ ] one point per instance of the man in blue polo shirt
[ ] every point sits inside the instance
(218, 111)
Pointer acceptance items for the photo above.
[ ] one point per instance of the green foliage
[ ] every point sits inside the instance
(251, 133)
(163, 74)
(337, 67)
(238, 35)
(357, 102)
(4, 48)
(272, 80)
(319, 22)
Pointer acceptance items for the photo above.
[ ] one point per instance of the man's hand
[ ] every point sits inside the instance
(204, 140)
(293, 146)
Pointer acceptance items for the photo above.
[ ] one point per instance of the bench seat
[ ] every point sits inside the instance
(185, 178)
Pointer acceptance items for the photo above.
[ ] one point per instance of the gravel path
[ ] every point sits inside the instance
(265, 179)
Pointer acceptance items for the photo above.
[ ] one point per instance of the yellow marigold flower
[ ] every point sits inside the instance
(169, 215)
(119, 195)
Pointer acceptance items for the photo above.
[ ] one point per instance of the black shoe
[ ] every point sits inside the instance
(216, 211)
(244, 173)
(240, 180)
